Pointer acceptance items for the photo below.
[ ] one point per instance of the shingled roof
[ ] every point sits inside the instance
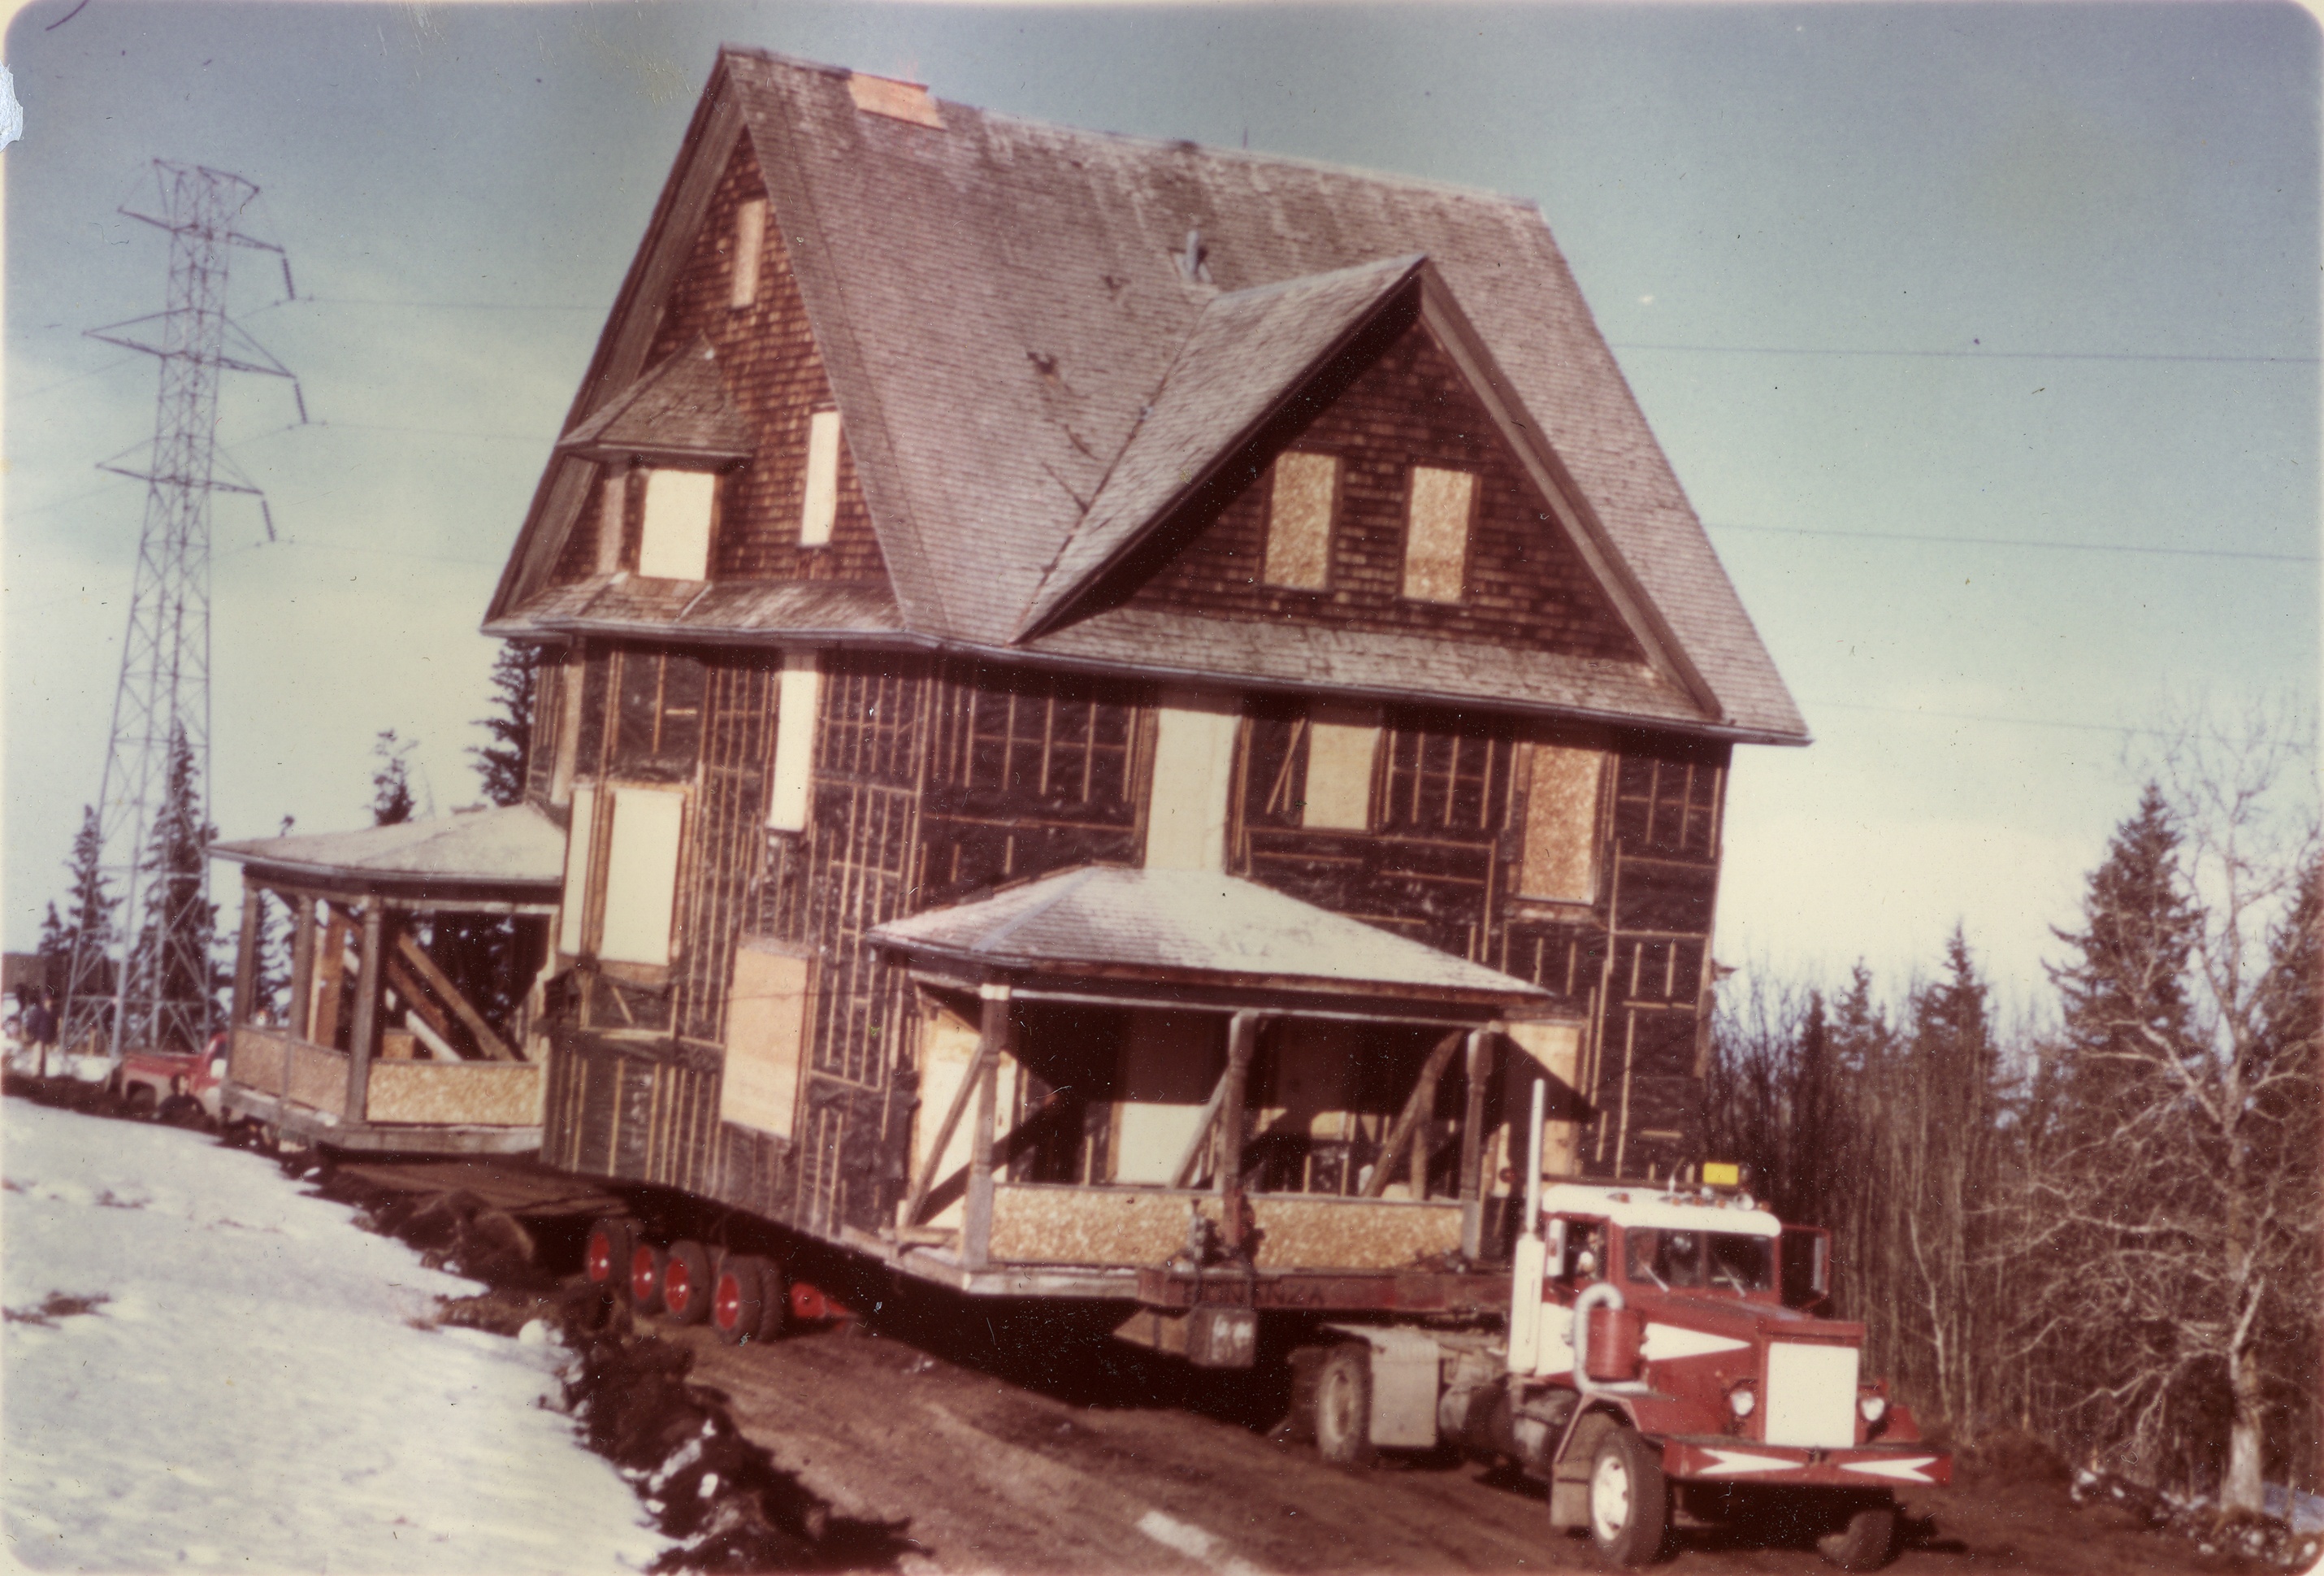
(1030, 380)
(679, 410)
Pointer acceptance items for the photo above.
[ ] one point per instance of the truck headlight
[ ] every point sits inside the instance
(1741, 1399)
(1873, 1407)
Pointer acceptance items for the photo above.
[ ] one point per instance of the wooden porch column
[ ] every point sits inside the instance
(245, 958)
(371, 966)
(298, 1016)
(1473, 1145)
(1242, 1039)
(996, 1038)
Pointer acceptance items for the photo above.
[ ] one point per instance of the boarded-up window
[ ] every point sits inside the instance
(675, 544)
(613, 493)
(1555, 1050)
(947, 1046)
(1193, 767)
(766, 1032)
(1341, 747)
(750, 241)
(642, 875)
(1561, 831)
(570, 910)
(819, 506)
(1299, 520)
(787, 794)
(1436, 534)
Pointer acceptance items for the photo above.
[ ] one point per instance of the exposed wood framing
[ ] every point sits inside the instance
(1411, 1119)
(487, 1039)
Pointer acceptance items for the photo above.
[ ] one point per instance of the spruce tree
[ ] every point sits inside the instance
(502, 764)
(391, 802)
(174, 981)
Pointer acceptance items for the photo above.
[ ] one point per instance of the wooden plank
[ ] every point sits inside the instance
(300, 1011)
(943, 1139)
(330, 974)
(360, 1043)
(1242, 1039)
(1000, 1036)
(1473, 1145)
(246, 954)
(1183, 1173)
(1416, 1109)
(441, 983)
(407, 984)
(474, 1094)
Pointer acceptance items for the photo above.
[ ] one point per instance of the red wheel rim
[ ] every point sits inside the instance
(600, 1261)
(642, 1272)
(676, 1286)
(726, 1303)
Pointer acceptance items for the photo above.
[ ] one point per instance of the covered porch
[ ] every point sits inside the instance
(1129, 1079)
(376, 1046)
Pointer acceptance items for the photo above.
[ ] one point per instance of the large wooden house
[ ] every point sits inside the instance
(1089, 676)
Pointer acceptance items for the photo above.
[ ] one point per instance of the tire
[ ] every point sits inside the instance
(1629, 1503)
(685, 1283)
(748, 1299)
(606, 1255)
(183, 1110)
(139, 1102)
(645, 1279)
(1865, 1541)
(1343, 1406)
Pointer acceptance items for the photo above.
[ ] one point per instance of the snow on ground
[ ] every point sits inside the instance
(254, 1382)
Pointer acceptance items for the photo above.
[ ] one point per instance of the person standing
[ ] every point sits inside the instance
(40, 1027)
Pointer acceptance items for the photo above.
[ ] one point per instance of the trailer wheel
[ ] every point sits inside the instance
(1343, 1406)
(645, 1279)
(686, 1283)
(746, 1304)
(605, 1261)
(1865, 1542)
(1629, 1503)
(139, 1100)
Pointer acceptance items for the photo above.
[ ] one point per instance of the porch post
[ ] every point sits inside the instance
(299, 1015)
(1242, 1039)
(366, 1031)
(996, 1038)
(1473, 1145)
(245, 958)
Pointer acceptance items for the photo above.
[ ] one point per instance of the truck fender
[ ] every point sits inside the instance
(1405, 1368)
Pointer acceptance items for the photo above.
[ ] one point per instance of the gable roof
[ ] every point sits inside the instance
(1003, 313)
(679, 411)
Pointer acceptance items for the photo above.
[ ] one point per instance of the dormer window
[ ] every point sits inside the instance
(819, 506)
(1437, 533)
(750, 241)
(1299, 520)
(674, 543)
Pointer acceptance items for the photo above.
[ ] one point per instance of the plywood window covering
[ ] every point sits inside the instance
(642, 875)
(674, 542)
(570, 908)
(795, 717)
(612, 496)
(1343, 752)
(1193, 771)
(1299, 520)
(1452, 783)
(1560, 825)
(750, 241)
(1437, 533)
(819, 503)
(766, 1034)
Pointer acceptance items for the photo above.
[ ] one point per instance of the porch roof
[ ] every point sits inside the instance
(510, 857)
(1100, 930)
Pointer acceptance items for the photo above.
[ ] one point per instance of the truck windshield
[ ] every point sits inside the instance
(1698, 1258)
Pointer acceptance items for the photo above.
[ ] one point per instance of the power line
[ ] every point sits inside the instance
(2019, 541)
(1978, 717)
(448, 306)
(1971, 355)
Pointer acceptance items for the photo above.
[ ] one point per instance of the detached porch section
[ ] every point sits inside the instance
(1147, 1083)
(381, 1050)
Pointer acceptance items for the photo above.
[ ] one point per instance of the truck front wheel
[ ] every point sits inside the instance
(1865, 1541)
(1629, 1503)
(1343, 1406)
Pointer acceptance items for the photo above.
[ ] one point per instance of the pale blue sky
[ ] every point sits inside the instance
(1877, 274)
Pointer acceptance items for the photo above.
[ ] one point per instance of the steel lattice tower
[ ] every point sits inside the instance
(153, 987)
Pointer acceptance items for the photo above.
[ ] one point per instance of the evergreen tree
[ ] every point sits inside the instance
(174, 980)
(502, 764)
(391, 802)
(78, 949)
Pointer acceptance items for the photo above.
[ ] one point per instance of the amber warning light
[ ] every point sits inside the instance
(1721, 1174)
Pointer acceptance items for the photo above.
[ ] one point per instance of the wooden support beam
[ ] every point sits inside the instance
(406, 983)
(487, 1038)
(360, 1043)
(1242, 1040)
(1190, 1160)
(921, 1185)
(330, 971)
(1479, 1068)
(299, 1012)
(245, 956)
(1415, 1111)
(997, 1040)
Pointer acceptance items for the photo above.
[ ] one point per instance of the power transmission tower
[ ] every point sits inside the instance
(154, 797)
